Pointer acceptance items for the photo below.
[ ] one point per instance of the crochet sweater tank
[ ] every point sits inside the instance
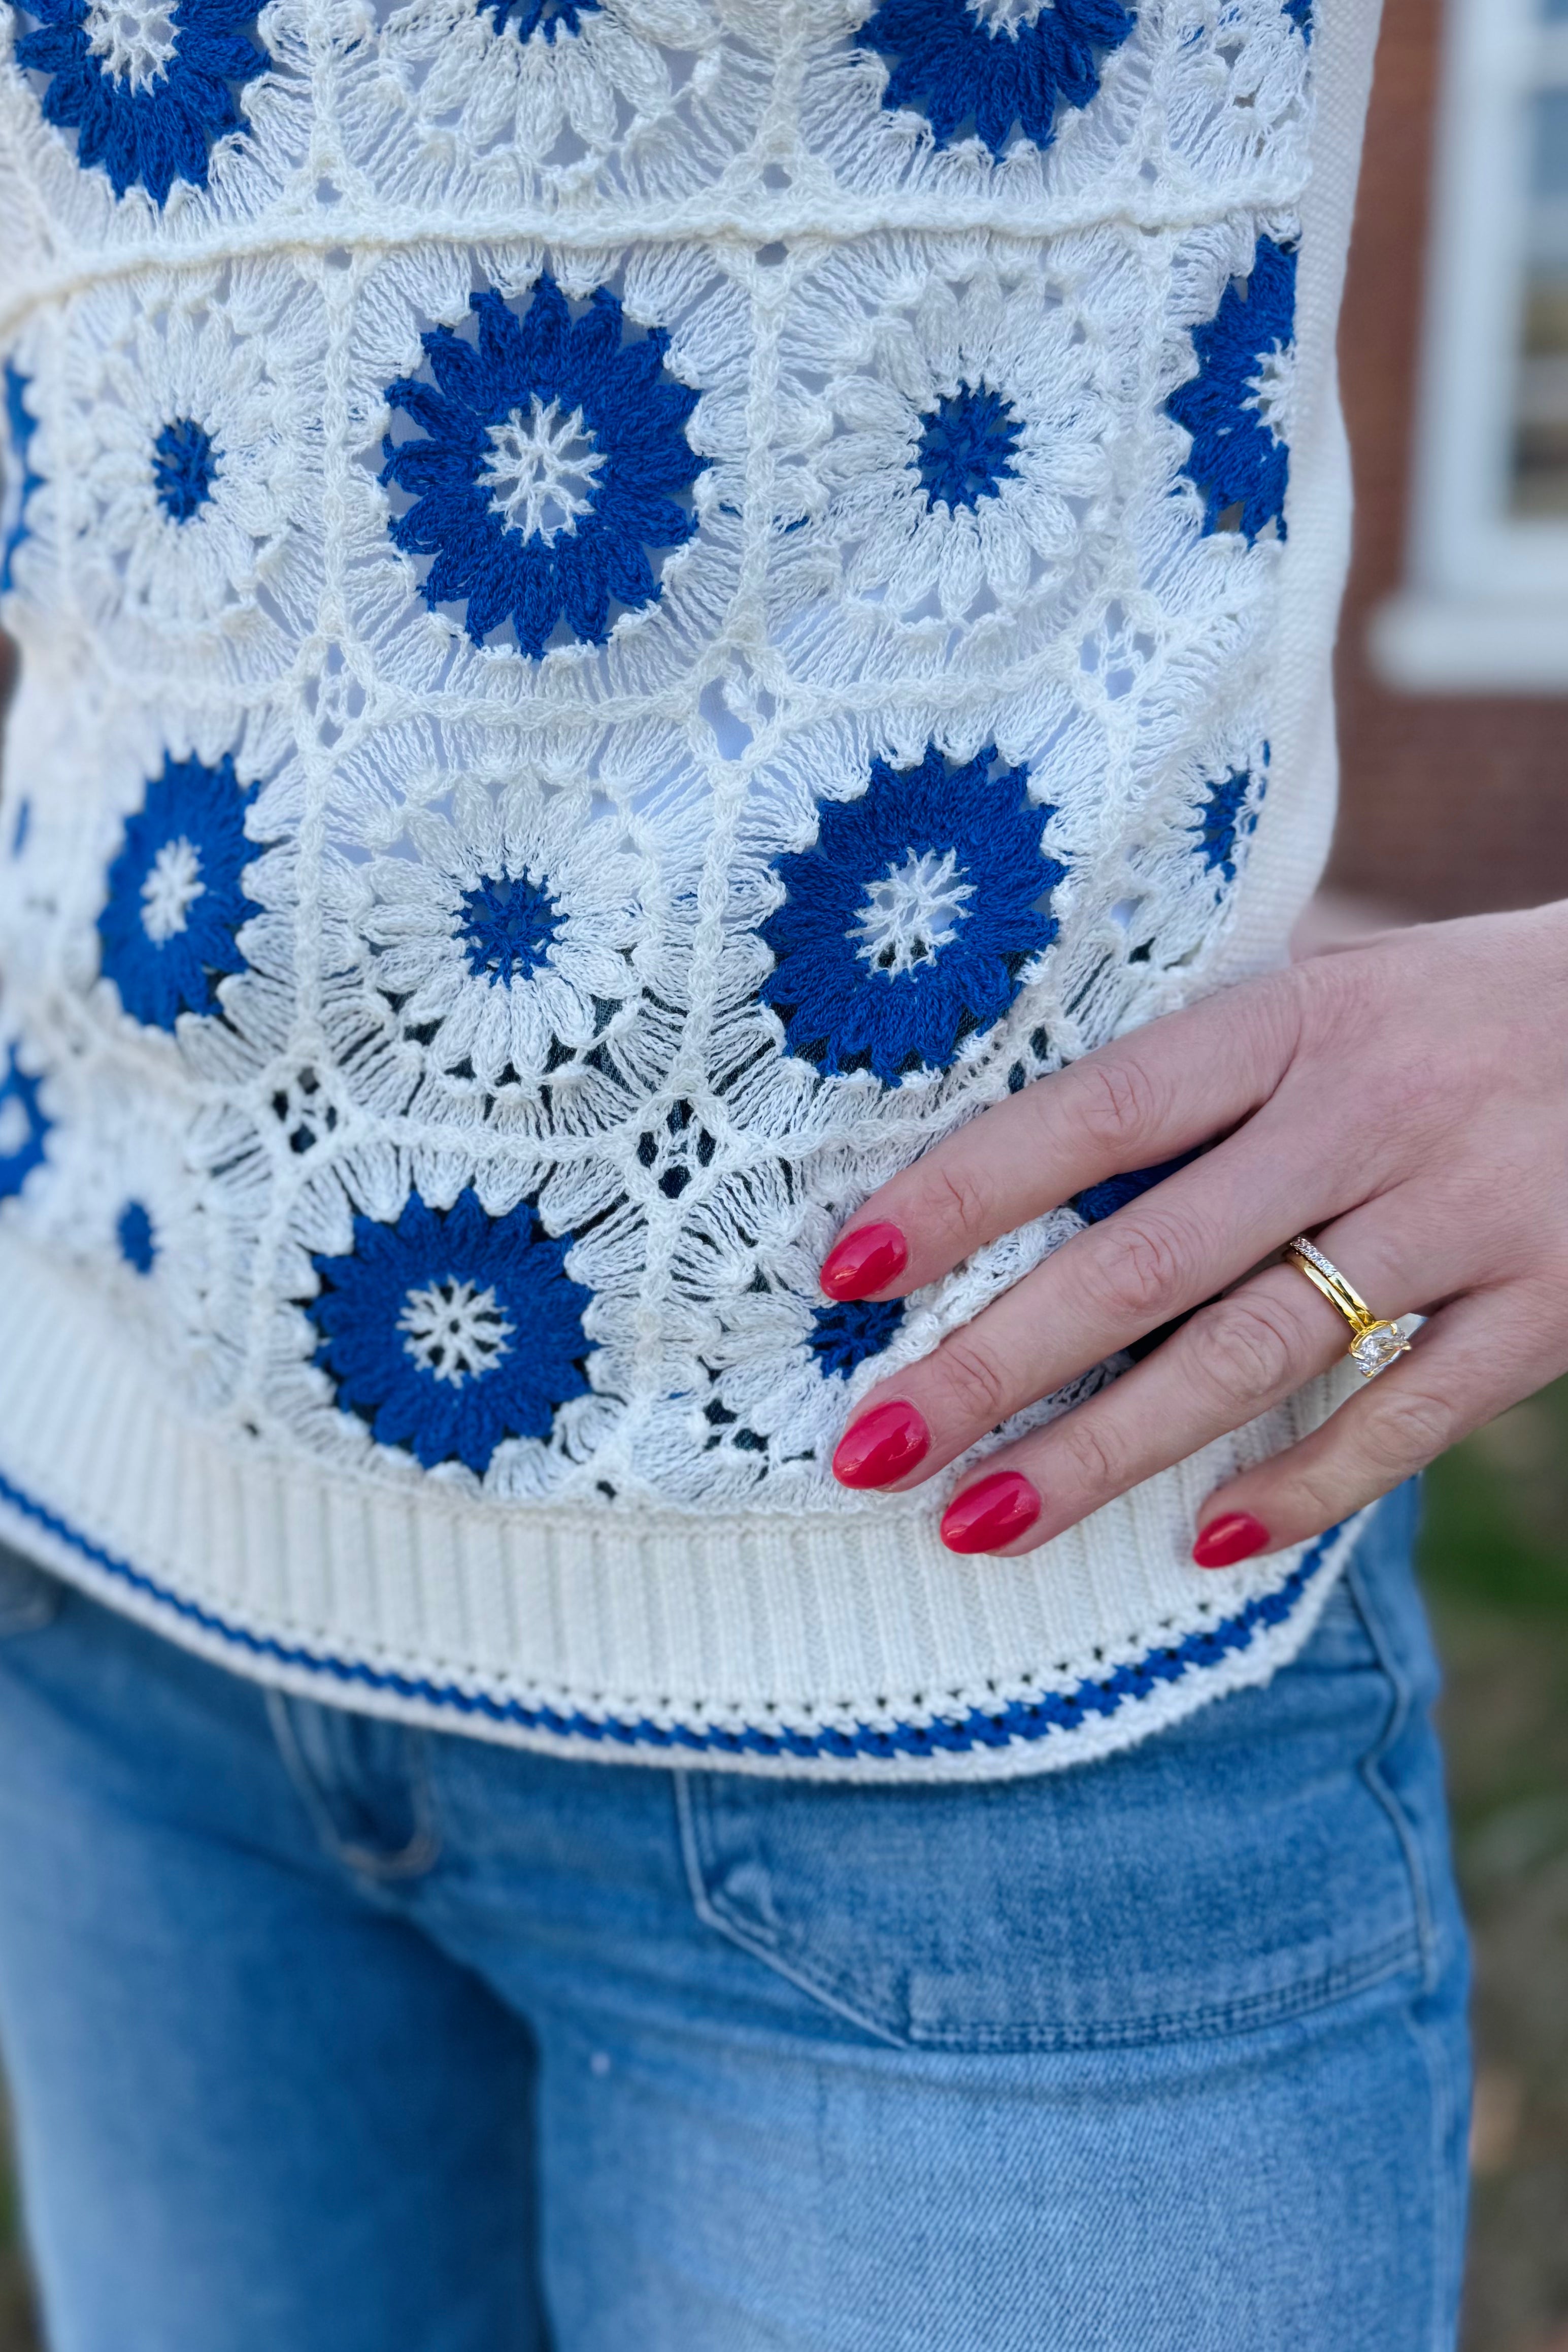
(628, 611)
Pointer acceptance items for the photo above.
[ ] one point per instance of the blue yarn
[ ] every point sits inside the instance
(843, 1011)
(551, 17)
(20, 426)
(1113, 1192)
(967, 443)
(201, 809)
(133, 1232)
(22, 828)
(525, 1307)
(967, 77)
(18, 1087)
(844, 1334)
(1234, 459)
(995, 1727)
(1224, 819)
(634, 416)
(184, 467)
(1300, 13)
(164, 132)
(508, 926)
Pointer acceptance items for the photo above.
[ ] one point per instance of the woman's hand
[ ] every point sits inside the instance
(1405, 1103)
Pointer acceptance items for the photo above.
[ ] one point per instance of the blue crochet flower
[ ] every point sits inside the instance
(451, 1331)
(184, 467)
(23, 1126)
(551, 17)
(147, 88)
(134, 1232)
(969, 72)
(1236, 407)
(907, 927)
(554, 457)
(21, 479)
(175, 901)
(1226, 814)
(966, 446)
(843, 1335)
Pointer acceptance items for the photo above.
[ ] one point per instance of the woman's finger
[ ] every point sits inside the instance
(1186, 1241)
(1147, 1098)
(1233, 1361)
(1469, 1363)
(1229, 1363)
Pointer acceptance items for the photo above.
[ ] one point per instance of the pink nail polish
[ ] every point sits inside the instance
(1234, 1536)
(880, 1446)
(865, 1260)
(996, 1512)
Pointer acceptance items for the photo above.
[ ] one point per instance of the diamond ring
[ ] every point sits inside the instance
(1375, 1341)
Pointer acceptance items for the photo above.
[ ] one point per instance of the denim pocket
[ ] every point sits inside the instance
(30, 1598)
(1253, 1862)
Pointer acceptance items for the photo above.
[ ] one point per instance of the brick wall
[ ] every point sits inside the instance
(1451, 804)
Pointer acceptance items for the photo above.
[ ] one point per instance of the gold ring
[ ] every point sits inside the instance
(1375, 1341)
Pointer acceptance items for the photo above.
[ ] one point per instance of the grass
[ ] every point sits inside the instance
(1495, 1558)
(1496, 1561)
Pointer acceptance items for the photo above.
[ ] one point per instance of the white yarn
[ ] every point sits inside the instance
(508, 918)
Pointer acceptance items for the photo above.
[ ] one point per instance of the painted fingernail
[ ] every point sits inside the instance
(1235, 1534)
(880, 1446)
(866, 1260)
(996, 1512)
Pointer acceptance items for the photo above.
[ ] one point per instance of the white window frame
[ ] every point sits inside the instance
(1486, 606)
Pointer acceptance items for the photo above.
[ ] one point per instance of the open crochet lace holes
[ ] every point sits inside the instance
(334, 698)
(676, 1148)
(304, 1109)
(737, 708)
(1118, 653)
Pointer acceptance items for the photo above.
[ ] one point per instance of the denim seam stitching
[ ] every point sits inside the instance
(1447, 2225)
(687, 1800)
(1371, 1768)
(835, 1989)
(414, 1859)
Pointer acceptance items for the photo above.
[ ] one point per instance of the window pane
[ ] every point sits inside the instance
(1539, 485)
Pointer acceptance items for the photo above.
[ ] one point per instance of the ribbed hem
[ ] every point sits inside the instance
(847, 1646)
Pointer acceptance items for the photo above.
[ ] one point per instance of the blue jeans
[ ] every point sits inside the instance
(323, 2034)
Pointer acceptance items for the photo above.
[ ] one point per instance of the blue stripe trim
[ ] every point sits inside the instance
(1018, 1719)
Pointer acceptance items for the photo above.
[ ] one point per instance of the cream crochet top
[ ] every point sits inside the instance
(629, 610)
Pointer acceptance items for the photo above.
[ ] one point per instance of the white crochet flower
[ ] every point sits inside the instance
(960, 453)
(505, 929)
(550, 86)
(530, 74)
(131, 1199)
(191, 509)
(183, 469)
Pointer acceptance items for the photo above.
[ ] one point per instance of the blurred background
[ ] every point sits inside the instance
(1454, 726)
